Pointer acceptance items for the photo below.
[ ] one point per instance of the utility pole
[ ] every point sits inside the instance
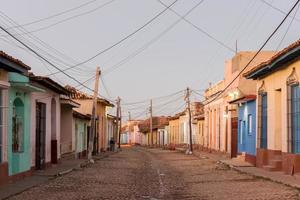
(120, 124)
(187, 98)
(151, 125)
(129, 115)
(93, 118)
(116, 137)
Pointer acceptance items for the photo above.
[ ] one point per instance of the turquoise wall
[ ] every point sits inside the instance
(19, 161)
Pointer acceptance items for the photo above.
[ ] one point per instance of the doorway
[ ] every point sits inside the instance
(234, 137)
(40, 162)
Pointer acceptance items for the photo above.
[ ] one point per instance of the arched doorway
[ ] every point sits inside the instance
(53, 132)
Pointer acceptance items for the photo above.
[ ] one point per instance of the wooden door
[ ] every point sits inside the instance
(234, 137)
(40, 145)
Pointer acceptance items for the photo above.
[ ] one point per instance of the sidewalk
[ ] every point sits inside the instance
(244, 167)
(42, 176)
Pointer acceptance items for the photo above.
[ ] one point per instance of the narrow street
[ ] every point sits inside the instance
(140, 173)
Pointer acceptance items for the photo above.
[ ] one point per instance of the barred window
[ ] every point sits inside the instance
(18, 126)
(250, 128)
(263, 120)
(294, 115)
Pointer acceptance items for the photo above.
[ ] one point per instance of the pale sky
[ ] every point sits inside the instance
(180, 58)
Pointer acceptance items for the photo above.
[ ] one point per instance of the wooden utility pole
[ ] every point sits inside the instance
(187, 98)
(151, 125)
(120, 127)
(116, 137)
(129, 116)
(93, 118)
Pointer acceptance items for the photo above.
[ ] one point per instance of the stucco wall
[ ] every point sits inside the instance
(277, 127)
(46, 98)
(20, 161)
(4, 80)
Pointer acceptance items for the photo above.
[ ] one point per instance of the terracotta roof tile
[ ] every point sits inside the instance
(273, 58)
(14, 60)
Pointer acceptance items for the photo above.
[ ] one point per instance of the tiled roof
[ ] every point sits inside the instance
(273, 58)
(14, 60)
(157, 122)
(49, 83)
(76, 94)
(79, 115)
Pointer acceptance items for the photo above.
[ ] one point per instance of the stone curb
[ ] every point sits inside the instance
(60, 174)
(261, 176)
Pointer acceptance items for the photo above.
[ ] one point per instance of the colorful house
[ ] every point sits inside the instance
(198, 130)
(174, 130)
(19, 123)
(247, 128)
(15, 92)
(278, 114)
(86, 104)
(45, 122)
(158, 122)
(221, 116)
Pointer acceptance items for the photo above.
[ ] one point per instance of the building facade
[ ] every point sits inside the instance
(277, 110)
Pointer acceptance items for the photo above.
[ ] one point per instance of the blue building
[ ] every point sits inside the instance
(247, 127)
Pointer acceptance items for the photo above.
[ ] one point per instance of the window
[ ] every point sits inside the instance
(250, 128)
(264, 121)
(242, 131)
(18, 126)
(295, 118)
(84, 135)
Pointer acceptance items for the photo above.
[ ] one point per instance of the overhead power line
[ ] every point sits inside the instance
(46, 60)
(120, 41)
(278, 9)
(53, 16)
(288, 28)
(198, 28)
(145, 46)
(54, 59)
(155, 98)
(66, 19)
(255, 55)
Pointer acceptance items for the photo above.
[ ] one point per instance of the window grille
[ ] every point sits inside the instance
(263, 120)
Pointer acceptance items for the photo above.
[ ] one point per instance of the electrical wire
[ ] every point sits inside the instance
(47, 61)
(198, 28)
(64, 20)
(288, 28)
(120, 41)
(255, 55)
(145, 46)
(42, 43)
(278, 9)
(155, 98)
(53, 16)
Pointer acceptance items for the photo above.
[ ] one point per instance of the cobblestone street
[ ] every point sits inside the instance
(139, 173)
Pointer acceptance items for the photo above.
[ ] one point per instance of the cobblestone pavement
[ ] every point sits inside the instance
(139, 173)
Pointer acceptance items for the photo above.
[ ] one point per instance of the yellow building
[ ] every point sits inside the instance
(278, 110)
(174, 130)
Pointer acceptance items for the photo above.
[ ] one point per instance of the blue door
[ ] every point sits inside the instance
(295, 118)
(264, 121)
